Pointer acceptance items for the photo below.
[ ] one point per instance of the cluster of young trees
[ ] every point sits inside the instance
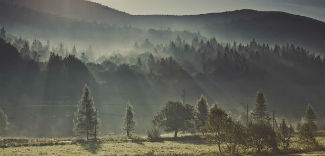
(217, 125)
(220, 128)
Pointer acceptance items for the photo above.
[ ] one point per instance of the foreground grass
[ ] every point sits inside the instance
(119, 146)
(114, 148)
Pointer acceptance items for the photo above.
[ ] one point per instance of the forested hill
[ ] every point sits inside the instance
(76, 18)
(54, 48)
(40, 97)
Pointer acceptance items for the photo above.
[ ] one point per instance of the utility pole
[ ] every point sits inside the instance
(96, 123)
(183, 96)
(247, 114)
(273, 120)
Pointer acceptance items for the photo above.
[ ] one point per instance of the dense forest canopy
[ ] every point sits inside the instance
(41, 83)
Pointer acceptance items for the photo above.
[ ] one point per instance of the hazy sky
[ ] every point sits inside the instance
(310, 8)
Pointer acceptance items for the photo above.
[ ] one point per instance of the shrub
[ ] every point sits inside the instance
(306, 137)
(153, 134)
(261, 135)
(285, 134)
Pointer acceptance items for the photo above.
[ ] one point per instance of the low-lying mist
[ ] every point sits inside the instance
(42, 81)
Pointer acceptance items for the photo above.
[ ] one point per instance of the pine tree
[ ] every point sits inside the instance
(2, 33)
(260, 112)
(86, 117)
(260, 132)
(25, 51)
(3, 123)
(310, 118)
(151, 63)
(74, 51)
(129, 124)
(202, 111)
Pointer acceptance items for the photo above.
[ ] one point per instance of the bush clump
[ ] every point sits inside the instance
(153, 134)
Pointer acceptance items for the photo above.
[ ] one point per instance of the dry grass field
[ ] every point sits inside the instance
(185, 145)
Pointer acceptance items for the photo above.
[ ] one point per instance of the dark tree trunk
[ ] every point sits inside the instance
(259, 149)
(234, 149)
(175, 133)
(219, 148)
(87, 134)
(95, 132)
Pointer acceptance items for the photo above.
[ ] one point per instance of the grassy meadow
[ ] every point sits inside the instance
(118, 145)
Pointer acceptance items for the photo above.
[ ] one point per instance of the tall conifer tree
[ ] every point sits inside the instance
(129, 124)
(86, 117)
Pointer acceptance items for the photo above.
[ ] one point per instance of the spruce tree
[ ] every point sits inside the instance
(310, 118)
(86, 117)
(260, 132)
(3, 123)
(129, 124)
(260, 113)
(202, 112)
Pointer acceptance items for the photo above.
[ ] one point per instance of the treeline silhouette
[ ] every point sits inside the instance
(253, 60)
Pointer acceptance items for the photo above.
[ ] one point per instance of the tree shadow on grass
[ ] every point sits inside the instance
(135, 139)
(140, 142)
(195, 139)
(93, 146)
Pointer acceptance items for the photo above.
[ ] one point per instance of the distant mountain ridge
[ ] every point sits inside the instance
(69, 8)
(239, 25)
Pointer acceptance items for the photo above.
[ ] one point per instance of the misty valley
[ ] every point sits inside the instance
(80, 78)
